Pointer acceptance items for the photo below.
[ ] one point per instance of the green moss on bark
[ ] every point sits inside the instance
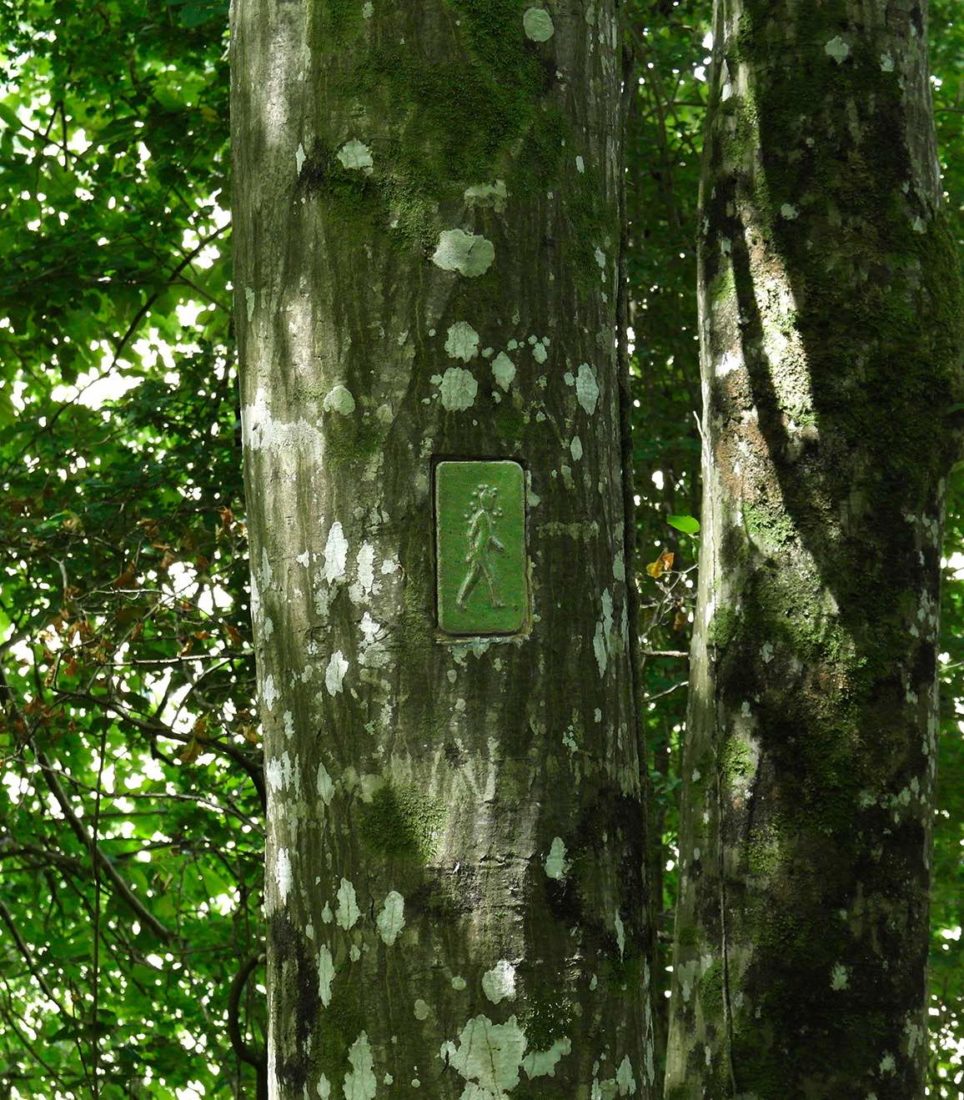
(723, 627)
(736, 760)
(401, 823)
(768, 526)
(545, 1015)
(338, 20)
(339, 1025)
(457, 117)
(711, 988)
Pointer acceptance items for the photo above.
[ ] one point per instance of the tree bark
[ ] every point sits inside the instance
(830, 328)
(426, 239)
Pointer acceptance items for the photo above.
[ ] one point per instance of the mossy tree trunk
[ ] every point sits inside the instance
(426, 238)
(829, 350)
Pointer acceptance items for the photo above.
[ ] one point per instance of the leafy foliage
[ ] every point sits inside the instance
(130, 826)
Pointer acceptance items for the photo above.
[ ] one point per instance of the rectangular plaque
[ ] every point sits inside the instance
(480, 544)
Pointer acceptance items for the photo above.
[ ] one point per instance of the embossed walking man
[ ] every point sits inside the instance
(482, 541)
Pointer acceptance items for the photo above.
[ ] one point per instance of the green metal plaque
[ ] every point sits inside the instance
(480, 543)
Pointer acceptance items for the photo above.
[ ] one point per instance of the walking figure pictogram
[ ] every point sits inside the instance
(482, 543)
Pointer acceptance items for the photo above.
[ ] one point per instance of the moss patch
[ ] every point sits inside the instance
(545, 1017)
(402, 823)
(736, 759)
(722, 628)
(770, 528)
(711, 989)
(339, 1025)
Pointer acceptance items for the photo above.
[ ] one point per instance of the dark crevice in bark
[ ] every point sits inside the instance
(652, 840)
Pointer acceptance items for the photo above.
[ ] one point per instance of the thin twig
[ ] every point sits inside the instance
(95, 973)
(668, 691)
(144, 915)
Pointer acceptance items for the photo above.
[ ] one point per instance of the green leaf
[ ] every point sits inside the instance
(8, 414)
(196, 12)
(687, 524)
(10, 117)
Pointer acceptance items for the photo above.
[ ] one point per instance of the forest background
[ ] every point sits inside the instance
(132, 799)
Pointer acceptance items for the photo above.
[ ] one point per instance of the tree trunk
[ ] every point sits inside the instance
(829, 349)
(426, 233)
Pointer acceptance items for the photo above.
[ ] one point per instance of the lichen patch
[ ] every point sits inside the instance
(336, 553)
(360, 1079)
(326, 974)
(537, 23)
(498, 984)
(542, 1063)
(462, 341)
(457, 389)
(280, 772)
(467, 253)
(325, 784)
(355, 155)
(488, 1056)
(260, 431)
(487, 194)
(339, 400)
(347, 913)
(269, 693)
(555, 862)
(587, 388)
(625, 1081)
(599, 649)
(837, 49)
(391, 918)
(503, 370)
(335, 672)
(282, 873)
(366, 568)
(620, 933)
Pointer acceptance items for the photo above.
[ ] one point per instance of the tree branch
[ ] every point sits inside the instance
(120, 885)
(244, 1051)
